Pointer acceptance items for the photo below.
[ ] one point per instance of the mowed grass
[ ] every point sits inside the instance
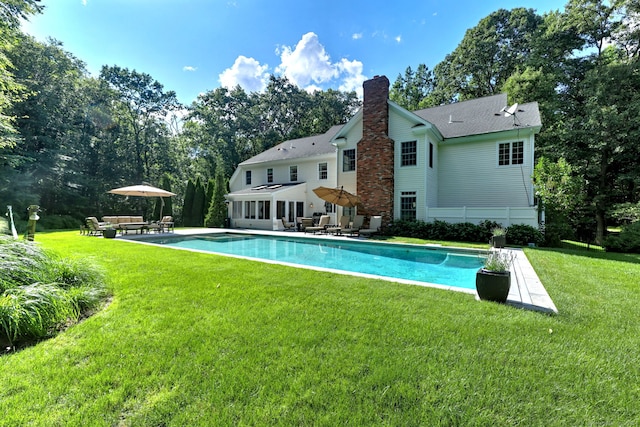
(196, 339)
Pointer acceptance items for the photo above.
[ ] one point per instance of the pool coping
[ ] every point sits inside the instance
(528, 293)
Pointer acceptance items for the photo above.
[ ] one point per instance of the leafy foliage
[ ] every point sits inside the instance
(487, 56)
(522, 235)
(217, 213)
(40, 292)
(627, 241)
(441, 230)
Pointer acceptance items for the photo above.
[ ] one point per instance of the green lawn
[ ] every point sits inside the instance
(195, 339)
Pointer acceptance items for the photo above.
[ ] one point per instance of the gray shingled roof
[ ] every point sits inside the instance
(298, 148)
(480, 116)
(473, 117)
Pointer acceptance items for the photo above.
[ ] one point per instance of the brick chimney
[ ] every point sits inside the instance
(375, 152)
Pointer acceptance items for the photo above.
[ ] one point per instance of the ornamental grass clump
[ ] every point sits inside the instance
(39, 293)
(498, 261)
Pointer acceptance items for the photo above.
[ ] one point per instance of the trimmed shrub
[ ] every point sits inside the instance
(59, 222)
(627, 241)
(522, 235)
(518, 234)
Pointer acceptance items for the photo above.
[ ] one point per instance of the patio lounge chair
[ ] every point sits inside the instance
(166, 223)
(324, 220)
(288, 225)
(95, 227)
(374, 226)
(355, 226)
(343, 224)
(304, 223)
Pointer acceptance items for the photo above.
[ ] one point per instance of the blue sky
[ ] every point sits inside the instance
(193, 46)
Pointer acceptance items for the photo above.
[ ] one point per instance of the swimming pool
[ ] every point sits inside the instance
(428, 265)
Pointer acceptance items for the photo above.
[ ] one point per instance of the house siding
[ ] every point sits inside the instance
(432, 174)
(469, 175)
(408, 178)
(347, 180)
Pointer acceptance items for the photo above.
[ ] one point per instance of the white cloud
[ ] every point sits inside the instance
(84, 2)
(307, 63)
(398, 39)
(353, 77)
(246, 72)
(189, 68)
(356, 36)
(309, 66)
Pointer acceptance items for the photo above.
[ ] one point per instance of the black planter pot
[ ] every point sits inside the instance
(493, 286)
(109, 234)
(498, 241)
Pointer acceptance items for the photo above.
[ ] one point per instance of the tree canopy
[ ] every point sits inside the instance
(67, 137)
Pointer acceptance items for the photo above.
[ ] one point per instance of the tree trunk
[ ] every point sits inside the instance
(601, 226)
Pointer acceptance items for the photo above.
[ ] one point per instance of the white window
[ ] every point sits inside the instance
(293, 173)
(237, 210)
(408, 205)
(511, 153)
(322, 171)
(409, 153)
(349, 160)
(264, 209)
(270, 175)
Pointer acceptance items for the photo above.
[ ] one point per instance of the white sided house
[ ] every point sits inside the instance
(465, 162)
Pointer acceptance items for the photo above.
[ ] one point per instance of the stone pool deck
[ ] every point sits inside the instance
(527, 291)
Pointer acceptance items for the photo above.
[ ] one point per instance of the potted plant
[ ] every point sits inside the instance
(493, 280)
(109, 232)
(498, 237)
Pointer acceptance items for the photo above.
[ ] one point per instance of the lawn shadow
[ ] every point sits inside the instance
(595, 252)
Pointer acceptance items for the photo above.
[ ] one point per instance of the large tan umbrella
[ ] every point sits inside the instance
(337, 196)
(143, 191)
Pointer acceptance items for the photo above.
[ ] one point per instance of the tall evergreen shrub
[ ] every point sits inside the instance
(217, 213)
(187, 208)
(198, 204)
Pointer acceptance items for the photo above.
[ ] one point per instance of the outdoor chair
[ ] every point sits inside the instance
(343, 224)
(324, 220)
(288, 225)
(374, 226)
(95, 227)
(166, 223)
(355, 226)
(304, 223)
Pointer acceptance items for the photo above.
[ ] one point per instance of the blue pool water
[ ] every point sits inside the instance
(416, 263)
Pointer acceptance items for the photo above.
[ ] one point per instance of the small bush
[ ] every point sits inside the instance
(21, 263)
(33, 311)
(522, 235)
(518, 234)
(627, 241)
(40, 292)
(59, 222)
(486, 228)
(557, 231)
